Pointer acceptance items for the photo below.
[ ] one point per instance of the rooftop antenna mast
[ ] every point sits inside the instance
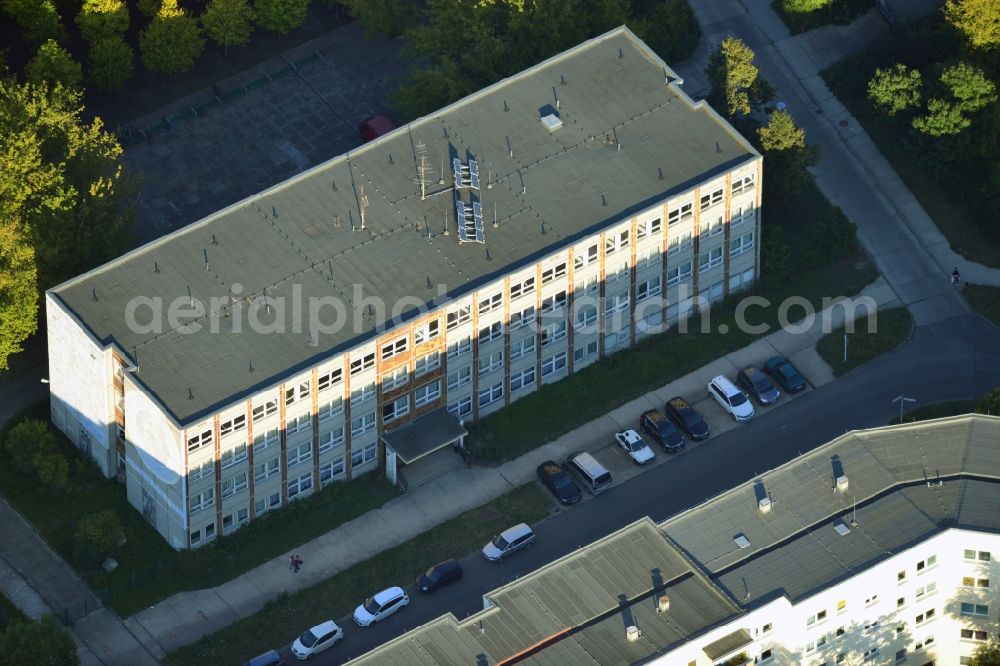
(363, 200)
(424, 169)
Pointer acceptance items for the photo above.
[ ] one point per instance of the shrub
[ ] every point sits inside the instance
(25, 440)
(895, 89)
(52, 469)
(989, 403)
(280, 15)
(97, 534)
(111, 63)
(42, 642)
(54, 65)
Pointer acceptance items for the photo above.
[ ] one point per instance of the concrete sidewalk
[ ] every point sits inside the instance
(186, 617)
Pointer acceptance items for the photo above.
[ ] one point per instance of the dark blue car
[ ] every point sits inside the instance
(658, 426)
(783, 372)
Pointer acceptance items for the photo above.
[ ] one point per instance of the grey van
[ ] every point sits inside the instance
(592, 475)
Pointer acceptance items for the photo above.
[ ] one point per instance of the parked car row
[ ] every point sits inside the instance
(751, 382)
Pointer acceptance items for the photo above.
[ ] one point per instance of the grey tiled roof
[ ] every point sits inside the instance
(305, 233)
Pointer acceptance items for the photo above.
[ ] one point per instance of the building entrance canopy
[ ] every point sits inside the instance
(424, 436)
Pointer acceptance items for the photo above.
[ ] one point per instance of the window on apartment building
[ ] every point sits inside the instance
(235, 484)
(870, 626)
(462, 407)
(744, 184)
(522, 288)
(264, 410)
(195, 537)
(841, 630)
(682, 212)
(711, 259)
(459, 316)
(330, 439)
(299, 424)
(425, 332)
(870, 654)
(900, 602)
(491, 303)
(614, 241)
(617, 303)
(740, 245)
(265, 439)
(266, 469)
(678, 274)
(585, 257)
(296, 393)
(554, 363)
(589, 350)
(364, 455)
(202, 500)
(678, 242)
(522, 318)
(648, 228)
(523, 379)
(490, 394)
(300, 487)
(901, 576)
(553, 302)
(816, 617)
(460, 377)
(929, 562)
(330, 471)
(230, 457)
(396, 409)
(740, 214)
(973, 634)
(459, 347)
(522, 347)
(329, 379)
(926, 642)
(492, 332)
(613, 341)
(362, 424)
(923, 617)
(587, 288)
(969, 581)
(648, 258)
(331, 409)
(490, 363)
(614, 272)
(841, 605)
(196, 442)
(426, 394)
(586, 316)
(766, 628)
(200, 472)
(553, 332)
(425, 364)
(363, 363)
(766, 654)
(396, 378)
(900, 655)
(363, 393)
(926, 589)
(980, 610)
(554, 272)
(710, 227)
(395, 347)
(299, 454)
(235, 424)
(647, 289)
(841, 657)
(900, 628)
(713, 198)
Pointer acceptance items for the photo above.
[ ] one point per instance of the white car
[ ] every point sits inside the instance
(317, 639)
(380, 606)
(731, 398)
(634, 446)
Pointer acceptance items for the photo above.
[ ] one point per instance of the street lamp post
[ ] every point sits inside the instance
(902, 400)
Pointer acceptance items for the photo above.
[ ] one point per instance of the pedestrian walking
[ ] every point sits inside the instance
(294, 562)
(956, 278)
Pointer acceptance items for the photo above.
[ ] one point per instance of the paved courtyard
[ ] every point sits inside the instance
(290, 117)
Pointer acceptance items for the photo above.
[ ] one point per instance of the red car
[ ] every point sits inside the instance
(375, 127)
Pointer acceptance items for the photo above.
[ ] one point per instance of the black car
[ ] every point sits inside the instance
(758, 385)
(687, 418)
(785, 374)
(439, 575)
(659, 427)
(559, 482)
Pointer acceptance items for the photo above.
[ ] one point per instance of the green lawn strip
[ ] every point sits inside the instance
(285, 618)
(838, 12)
(9, 612)
(985, 300)
(558, 408)
(937, 411)
(891, 330)
(848, 80)
(149, 570)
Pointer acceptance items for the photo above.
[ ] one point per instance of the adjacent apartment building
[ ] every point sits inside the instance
(880, 547)
(355, 315)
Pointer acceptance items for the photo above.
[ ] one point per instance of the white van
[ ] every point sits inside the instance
(592, 475)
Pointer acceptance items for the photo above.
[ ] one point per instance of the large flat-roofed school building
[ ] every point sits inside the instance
(354, 316)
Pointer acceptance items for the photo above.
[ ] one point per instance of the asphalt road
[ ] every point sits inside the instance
(957, 358)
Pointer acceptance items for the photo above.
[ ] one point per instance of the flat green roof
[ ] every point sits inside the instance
(304, 236)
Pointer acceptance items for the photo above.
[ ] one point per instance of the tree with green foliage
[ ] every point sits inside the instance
(989, 403)
(149, 7)
(280, 15)
(52, 469)
(389, 17)
(735, 80)
(670, 28)
(986, 654)
(111, 63)
(102, 19)
(943, 118)
(977, 20)
(786, 154)
(97, 534)
(38, 20)
(969, 86)
(804, 6)
(26, 440)
(228, 22)
(18, 289)
(53, 65)
(62, 179)
(41, 642)
(895, 89)
(172, 42)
